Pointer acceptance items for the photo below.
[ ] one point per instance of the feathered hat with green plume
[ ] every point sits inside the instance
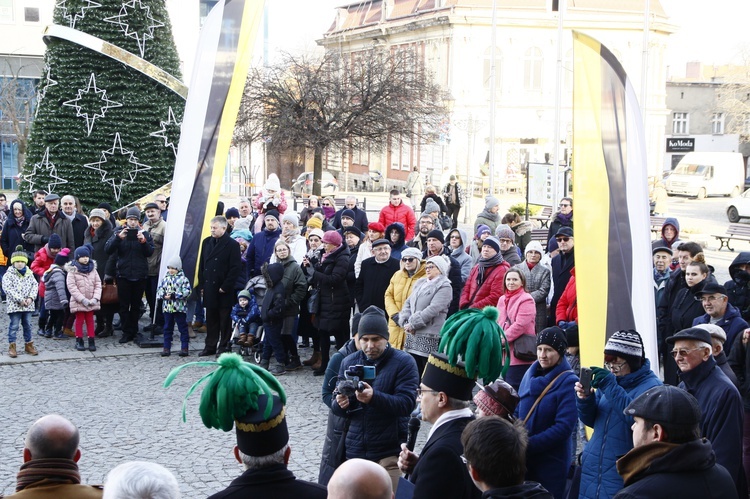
(241, 395)
(474, 337)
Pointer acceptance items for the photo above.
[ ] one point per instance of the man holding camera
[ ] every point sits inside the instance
(378, 409)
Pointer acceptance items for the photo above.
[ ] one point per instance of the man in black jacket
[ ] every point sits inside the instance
(220, 263)
(375, 276)
(669, 458)
(353, 211)
(78, 222)
(562, 264)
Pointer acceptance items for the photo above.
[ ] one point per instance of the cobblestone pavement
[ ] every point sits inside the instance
(116, 399)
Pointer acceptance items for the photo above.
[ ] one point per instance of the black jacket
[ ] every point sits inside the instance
(739, 361)
(105, 263)
(218, 269)
(132, 256)
(526, 490)
(360, 219)
(738, 287)
(659, 470)
(273, 481)
(440, 471)
(330, 277)
(685, 309)
(80, 224)
(13, 232)
(373, 281)
(272, 310)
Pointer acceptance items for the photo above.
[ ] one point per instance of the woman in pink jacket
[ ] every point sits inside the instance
(517, 314)
(85, 288)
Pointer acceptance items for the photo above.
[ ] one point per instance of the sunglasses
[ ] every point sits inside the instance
(455, 236)
(683, 352)
(326, 204)
(562, 239)
(563, 205)
(408, 259)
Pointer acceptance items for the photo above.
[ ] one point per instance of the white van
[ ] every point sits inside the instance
(701, 174)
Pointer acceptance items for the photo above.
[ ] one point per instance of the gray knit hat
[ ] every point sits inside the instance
(175, 262)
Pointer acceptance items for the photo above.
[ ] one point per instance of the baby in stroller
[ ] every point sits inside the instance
(246, 317)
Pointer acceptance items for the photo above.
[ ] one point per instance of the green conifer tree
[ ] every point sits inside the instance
(104, 131)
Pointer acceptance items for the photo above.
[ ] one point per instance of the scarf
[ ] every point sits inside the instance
(658, 276)
(326, 255)
(489, 216)
(20, 220)
(486, 263)
(49, 470)
(22, 271)
(70, 217)
(329, 212)
(84, 269)
(530, 265)
(290, 235)
(566, 220)
(510, 294)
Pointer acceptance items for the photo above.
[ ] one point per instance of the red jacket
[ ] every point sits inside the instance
(42, 261)
(567, 307)
(517, 316)
(402, 214)
(489, 292)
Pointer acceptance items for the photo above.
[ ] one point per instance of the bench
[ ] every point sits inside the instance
(541, 236)
(656, 223)
(339, 202)
(734, 231)
(544, 216)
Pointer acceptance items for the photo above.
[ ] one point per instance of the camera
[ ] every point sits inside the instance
(353, 379)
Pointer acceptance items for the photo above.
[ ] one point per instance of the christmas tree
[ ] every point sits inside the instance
(103, 130)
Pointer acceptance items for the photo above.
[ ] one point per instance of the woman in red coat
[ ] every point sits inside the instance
(567, 306)
(517, 316)
(484, 287)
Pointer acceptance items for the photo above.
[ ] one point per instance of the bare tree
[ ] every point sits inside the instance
(734, 98)
(17, 96)
(363, 98)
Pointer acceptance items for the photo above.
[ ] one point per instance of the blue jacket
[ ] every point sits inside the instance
(721, 405)
(732, 323)
(375, 429)
(260, 250)
(612, 436)
(549, 453)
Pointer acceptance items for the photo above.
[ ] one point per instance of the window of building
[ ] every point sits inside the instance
(6, 11)
(532, 69)
(31, 14)
(680, 123)
(487, 69)
(717, 124)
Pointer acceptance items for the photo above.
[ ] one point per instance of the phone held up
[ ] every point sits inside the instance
(585, 377)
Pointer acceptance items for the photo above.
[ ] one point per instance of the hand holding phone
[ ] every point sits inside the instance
(585, 378)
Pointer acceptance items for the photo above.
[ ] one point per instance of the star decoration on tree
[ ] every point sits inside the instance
(136, 11)
(49, 82)
(123, 166)
(88, 104)
(45, 165)
(170, 131)
(74, 10)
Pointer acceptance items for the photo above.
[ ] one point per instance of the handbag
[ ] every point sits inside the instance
(109, 294)
(524, 348)
(313, 302)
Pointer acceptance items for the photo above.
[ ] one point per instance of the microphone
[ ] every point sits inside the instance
(411, 439)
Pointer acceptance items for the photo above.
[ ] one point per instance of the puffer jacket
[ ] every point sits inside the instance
(83, 285)
(330, 277)
(18, 286)
(426, 310)
(398, 292)
(516, 316)
(56, 295)
(272, 309)
(375, 428)
(402, 213)
(179, 287)
(295, 285)
(612, 436)
(260, 250)
(549, 453)
(538, 283)
(567, 306)
(132, 256)
(489, 291)
(39, 265)
(462, 256)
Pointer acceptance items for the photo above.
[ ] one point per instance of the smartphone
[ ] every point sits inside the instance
(132, 234)
(586, 375)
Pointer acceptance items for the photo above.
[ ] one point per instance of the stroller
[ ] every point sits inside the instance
(257, 286)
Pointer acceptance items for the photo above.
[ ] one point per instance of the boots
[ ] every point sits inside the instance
(99, 329)
(184, 352)
(12, 351)
(315, 359)
(264, 363)
(68, 332)
(107, 332)
(293, 364)
(30, 349)
(79, 345)
(166, 352)
(92, 345)
(242, 340)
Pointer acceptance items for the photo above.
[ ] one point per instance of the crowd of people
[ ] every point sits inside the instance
(274, 281)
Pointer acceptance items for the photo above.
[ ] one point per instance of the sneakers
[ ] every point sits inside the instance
(184, 352)
(277, 370)
(48, 333)
(30, 349)
(293, 364)
(79, 345)
(42, 333)
(92, 345)
(12, 351)
(264, 363)
(166, 352)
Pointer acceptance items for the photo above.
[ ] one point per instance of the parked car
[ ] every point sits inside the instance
(739, 207)
(302, 187)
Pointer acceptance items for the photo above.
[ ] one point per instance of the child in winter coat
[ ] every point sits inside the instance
(247, 317)
(174, 291)
(42, 261)
(21, 289)
(56, 295)
(272, 313)
(85, 289)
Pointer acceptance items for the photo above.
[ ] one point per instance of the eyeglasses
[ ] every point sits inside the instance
(615, 367)
(562, 239)
(161, 200)
(426, 222)
(563, 205)
(455, 236)
(506, 241)
(408, 259)
(683, 352)
(710, 298)
(429, 267)
(420, 392)
(326, 204)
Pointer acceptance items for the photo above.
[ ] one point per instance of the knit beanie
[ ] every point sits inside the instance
(431, 206)
(272, 183)
(82, 251)
(411, 252)
(315, 222)
(490, 202)
(481, 230)
(373, 321)
(54, 241)
(441, 262)
(106, 206)
(535, 246)
(493, 242)
(63, 257)
(332, 237)
(627, 345)
(175, 262)
(314, 232)
(437, 234)
(272, 214)
(348, 214)
(292, 217)
(19, 255)
(244, 294)
(232, 213)
(554, 337)
(98, 213)
(505, 232)
(133, 212)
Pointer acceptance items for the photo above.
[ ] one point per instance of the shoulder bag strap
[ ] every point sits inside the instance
(541, 395)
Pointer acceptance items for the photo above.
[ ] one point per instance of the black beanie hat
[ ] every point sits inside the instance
(554, 337)
(373, 321)
(437, 234)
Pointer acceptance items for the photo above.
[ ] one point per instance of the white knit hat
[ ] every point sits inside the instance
(441, 262)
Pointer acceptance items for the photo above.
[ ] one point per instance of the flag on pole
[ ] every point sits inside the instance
(224, 51)
(614, 280)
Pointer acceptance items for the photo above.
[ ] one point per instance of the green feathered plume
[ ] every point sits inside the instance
(232, 390)
(475, 337)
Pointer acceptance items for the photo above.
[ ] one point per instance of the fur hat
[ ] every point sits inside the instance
(54, 241)
(441, 262)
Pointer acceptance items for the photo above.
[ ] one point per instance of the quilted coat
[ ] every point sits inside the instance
(426, 310)
(398, 291)
(19, 286)
(56, 295)
(402, 213)
(83, 285)
(178, 286)
(489, 291)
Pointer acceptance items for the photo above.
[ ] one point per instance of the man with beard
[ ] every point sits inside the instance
(425, 225)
